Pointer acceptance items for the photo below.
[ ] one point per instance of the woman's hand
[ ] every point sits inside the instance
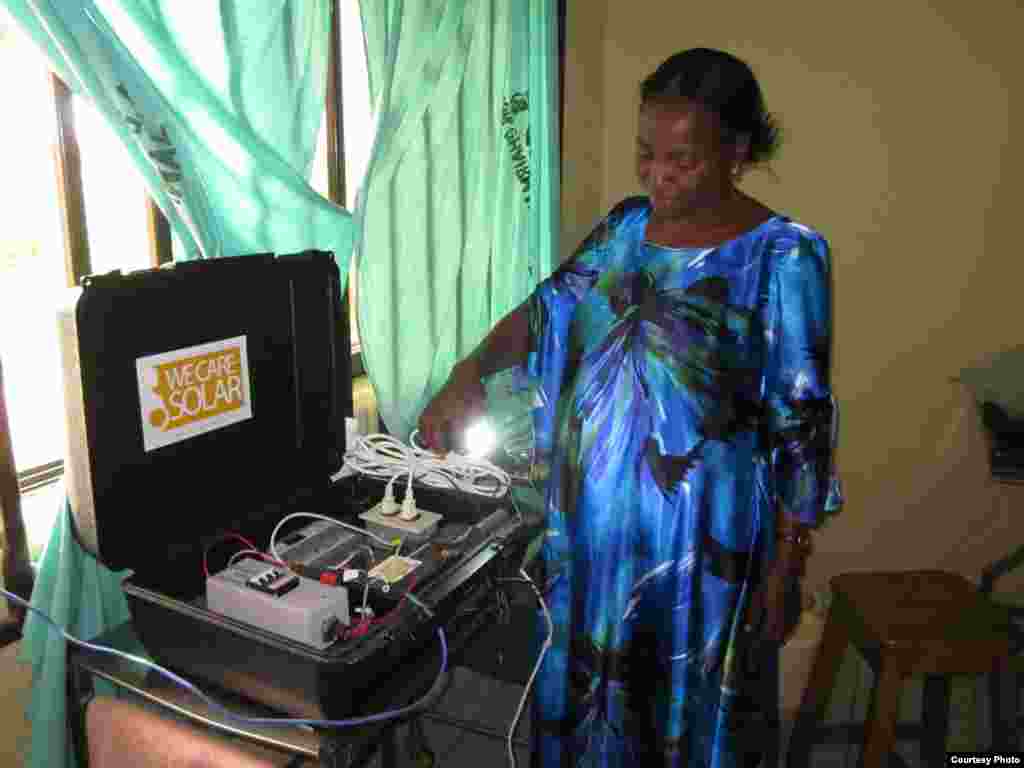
(461, 401)
(775, 608)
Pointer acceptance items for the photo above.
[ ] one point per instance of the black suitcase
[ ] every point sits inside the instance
(210, 397)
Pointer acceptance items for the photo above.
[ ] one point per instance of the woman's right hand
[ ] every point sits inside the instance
(459, 403)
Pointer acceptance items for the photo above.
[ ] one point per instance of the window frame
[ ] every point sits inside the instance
(336, 191)
(68, 169)
(76, 245)
(77, 264)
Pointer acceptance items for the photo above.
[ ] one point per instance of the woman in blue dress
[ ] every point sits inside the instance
(686, 440)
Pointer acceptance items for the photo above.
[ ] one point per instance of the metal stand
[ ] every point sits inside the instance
(346, 748)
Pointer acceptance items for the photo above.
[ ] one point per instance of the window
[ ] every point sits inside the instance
(33, 276)
(114, 204)
(72, 203)
(357, 133)
(358, 123)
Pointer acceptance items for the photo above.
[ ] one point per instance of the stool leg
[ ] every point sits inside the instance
(816, 694)
(880, 728)
(935, 719)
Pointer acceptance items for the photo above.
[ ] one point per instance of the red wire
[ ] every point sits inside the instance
(241, 538)
(226, 537)
(364, 624)
(261, 556)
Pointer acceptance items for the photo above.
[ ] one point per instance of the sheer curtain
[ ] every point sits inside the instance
(219, 108)
(458, 211)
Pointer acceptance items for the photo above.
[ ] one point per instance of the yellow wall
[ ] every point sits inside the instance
(897, 121)
(583, 129)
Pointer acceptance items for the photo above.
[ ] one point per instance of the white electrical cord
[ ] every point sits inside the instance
(386, 458)
(273, 536)
(370, 563)
(245, 553)
(536, 667)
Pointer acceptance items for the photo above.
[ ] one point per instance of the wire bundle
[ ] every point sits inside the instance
(386, 458)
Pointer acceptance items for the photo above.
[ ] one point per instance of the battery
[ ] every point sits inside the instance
(277, 600)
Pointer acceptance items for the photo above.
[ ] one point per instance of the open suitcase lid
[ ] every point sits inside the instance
(201, 398)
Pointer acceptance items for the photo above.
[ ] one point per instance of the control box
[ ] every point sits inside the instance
(277, 600)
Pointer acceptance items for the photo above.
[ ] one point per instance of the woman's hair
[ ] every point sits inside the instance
(723, 84)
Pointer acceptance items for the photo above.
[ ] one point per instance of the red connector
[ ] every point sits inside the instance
(358, 630)
(323, 575)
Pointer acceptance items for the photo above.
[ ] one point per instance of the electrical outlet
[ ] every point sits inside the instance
(389, 527)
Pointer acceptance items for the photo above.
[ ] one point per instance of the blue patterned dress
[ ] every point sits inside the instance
(686, 396)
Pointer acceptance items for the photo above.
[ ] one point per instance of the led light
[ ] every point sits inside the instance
(480, 439)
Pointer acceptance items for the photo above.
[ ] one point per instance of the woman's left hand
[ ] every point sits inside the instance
(772, 614)
(767, 611)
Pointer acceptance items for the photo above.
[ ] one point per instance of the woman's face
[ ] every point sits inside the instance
(681, 160)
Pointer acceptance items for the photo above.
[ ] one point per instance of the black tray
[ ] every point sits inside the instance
(456, 582)
(156, 509)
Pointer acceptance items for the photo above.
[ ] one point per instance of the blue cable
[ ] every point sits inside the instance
(183, 683)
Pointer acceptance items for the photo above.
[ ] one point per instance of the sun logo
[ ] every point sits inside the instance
(197, 388)
(190, 391)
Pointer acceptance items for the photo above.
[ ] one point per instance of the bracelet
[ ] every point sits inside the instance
(799, 539)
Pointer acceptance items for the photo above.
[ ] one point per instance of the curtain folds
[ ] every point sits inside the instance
(219, 106)
(457, 215)
(86, 599)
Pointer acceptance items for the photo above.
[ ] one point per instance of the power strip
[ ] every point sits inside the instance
(393, 526)
(277, 600)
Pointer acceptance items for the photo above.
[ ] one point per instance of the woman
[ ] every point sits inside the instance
(684, 353)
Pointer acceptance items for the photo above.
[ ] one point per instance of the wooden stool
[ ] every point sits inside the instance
(904, 624)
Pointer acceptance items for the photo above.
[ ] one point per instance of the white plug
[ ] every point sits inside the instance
(388, 505)
(409, 511)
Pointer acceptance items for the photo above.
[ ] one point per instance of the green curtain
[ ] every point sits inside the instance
(457, 215)
(86, 599)
(219, 104)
